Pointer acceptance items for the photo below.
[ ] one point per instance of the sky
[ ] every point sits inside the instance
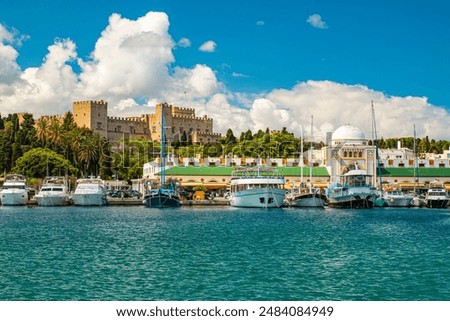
(247, 64)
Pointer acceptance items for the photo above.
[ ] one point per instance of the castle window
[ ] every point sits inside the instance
(99, 125)
(153, 129)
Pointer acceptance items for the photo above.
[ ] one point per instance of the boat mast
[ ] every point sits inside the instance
(162, 155)
(377, 157)
(415, 163)
(310, 162)
(301, 160)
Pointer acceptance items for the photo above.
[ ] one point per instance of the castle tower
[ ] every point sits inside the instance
(92, 115)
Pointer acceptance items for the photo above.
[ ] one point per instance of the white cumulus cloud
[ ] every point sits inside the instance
(184, 43)
(132, 67)
(316, 21)
(208, 46)
(130, 58)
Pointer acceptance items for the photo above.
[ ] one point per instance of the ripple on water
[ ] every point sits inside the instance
(121, 253)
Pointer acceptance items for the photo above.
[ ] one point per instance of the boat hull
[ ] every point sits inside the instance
(53, 199)
(398, 201)
(161, 201)
(352, 201)
(437, 203)
(308, 200)
(258, 197)
(13, 197)
(90, 199)
(418, 202)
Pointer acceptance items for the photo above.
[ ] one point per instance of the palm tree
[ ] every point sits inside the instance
(56, 134)
(90, 150)
(42, 130)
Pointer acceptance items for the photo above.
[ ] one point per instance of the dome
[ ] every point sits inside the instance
(348, 132)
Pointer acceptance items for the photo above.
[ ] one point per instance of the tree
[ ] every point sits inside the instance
(42, 130)
(230, 138)
(37, 162)
(27, 127)
(184, 139)
(68, 122)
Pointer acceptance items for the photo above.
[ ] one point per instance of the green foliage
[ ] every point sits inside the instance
(88, 153)
(40, 162)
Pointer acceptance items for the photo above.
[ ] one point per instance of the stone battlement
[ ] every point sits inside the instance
(93, 115)
(137, 120)
(183, 108)
(203, 118)
(97, 102)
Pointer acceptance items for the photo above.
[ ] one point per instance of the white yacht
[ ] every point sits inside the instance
(54, 192)
(354, 190)
(437, 196)
(397, 198)
(14, 190)
(257, 187)
(90, 191)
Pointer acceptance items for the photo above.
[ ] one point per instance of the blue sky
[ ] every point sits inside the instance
(267, 59)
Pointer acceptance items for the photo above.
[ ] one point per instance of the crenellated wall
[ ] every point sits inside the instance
(93, 115)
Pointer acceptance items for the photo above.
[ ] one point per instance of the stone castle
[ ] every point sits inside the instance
(180, 122)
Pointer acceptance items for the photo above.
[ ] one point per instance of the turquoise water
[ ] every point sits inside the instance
(223, 253)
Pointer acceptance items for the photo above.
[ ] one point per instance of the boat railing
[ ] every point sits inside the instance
(14, 178)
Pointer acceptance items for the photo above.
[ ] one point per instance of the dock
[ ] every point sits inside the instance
(218, 201)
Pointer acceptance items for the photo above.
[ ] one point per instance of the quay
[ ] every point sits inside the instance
(218, 201)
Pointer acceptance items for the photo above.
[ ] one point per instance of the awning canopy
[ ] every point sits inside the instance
(211, 185)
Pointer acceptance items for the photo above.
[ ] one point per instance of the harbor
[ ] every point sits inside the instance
(223, 253)
(346, 173)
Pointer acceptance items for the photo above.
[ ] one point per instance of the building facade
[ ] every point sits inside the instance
(347, 148)
(180, 122)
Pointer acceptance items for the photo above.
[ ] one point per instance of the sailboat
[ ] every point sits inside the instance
(380, 201)
(166, 195)
(307, 196)
(418, 200)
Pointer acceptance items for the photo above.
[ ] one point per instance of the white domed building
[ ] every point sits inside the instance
(349, 149)
(348, 134)
(351, 163)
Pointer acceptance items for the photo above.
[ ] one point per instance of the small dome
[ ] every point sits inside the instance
(348, 132)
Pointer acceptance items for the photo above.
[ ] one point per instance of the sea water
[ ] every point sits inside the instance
(223, 253)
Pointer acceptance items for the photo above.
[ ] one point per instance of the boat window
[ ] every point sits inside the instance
(57, 189)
